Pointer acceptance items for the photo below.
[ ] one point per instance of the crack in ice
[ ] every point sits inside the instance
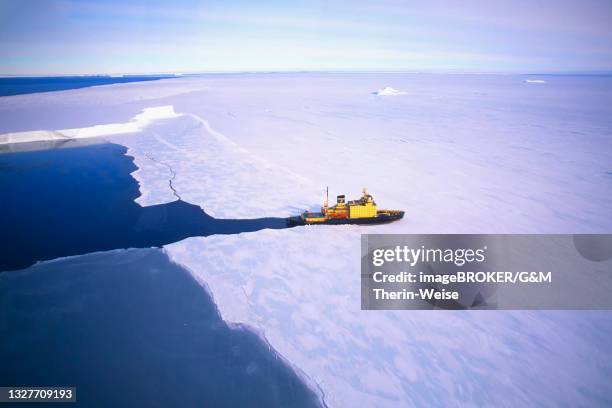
(172, 173)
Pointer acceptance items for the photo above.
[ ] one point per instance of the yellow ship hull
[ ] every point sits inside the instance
(381, 217)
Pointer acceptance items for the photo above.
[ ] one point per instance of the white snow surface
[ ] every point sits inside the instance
(535, 81)
(205, 165)
(463, 154)
(388, 91)
(301, 289)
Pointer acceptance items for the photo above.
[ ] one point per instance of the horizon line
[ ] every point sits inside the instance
(177, 74)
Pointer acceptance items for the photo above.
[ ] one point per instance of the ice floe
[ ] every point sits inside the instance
(137, 124)
(208, 166)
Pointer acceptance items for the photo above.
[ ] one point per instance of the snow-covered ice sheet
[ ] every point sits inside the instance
(206, 166)
(458, 153)
(301, 288)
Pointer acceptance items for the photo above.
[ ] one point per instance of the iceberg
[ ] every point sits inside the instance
(388, 91)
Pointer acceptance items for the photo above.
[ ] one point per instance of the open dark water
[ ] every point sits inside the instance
(128, 328)
(131, 329)
(80, 198)
(26, 85)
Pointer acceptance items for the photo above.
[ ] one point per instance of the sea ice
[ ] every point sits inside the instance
(463, 154)
(137, 124)
(301, 289)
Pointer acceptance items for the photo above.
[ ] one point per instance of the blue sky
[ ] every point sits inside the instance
(79, 37)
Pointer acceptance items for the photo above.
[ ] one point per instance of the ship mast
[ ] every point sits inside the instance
(326, 204)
